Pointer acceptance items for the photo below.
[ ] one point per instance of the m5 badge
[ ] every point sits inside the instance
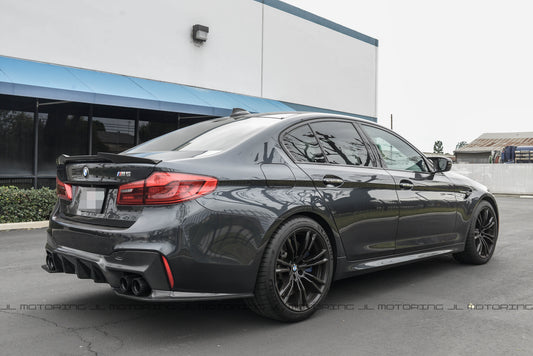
(123, 174)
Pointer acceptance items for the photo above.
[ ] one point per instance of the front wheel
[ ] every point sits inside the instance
(296, 272)
(482, 236)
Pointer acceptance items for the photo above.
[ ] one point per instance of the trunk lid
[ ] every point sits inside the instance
(95, 180)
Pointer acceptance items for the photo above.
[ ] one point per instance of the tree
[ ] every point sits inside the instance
(460, 144)
(437, 147)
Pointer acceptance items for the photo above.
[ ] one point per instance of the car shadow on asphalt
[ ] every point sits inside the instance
(106, 317)
(104, 307)
(374, 284)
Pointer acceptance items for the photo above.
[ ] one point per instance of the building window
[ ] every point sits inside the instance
(60, 133)
(153, 124)
(112, 135)
(16, 137)
(65, 128)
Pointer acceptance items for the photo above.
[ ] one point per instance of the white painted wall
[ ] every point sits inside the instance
(325, 67)
(147, 39)
(303, 62)
(500, 178)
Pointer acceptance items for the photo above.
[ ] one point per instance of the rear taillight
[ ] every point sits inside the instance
(63, 190)
(165, 188)
(131, 193)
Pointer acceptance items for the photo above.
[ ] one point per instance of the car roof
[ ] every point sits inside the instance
(293, 117)
(296, 115)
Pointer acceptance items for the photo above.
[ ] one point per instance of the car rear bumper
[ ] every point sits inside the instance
(206, 258)
(109, 269)
(132, 264)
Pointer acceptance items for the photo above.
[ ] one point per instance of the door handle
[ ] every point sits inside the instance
(406, 184)
(332, 181)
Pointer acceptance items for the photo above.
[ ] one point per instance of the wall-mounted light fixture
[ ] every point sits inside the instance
(199, 33)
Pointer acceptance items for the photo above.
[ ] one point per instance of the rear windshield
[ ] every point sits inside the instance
(212, 135)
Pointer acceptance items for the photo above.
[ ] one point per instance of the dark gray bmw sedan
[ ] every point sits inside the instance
(267, 207)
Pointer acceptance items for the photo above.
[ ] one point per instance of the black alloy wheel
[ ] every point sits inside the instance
(302, 269)
(482, 237)
(296, 272)
(484, 232)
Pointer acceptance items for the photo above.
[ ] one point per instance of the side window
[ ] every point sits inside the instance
(341, 143)
(302, 145)
(396, 153)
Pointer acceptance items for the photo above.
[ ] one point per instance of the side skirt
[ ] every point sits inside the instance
(347, 269)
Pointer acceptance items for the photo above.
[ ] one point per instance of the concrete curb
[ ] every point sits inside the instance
(24, 225)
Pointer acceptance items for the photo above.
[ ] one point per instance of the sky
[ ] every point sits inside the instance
(447, 70)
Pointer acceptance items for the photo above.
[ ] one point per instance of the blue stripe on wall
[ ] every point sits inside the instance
(50, 81)
(296, 11)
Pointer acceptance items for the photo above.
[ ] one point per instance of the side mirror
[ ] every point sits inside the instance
(441, 164)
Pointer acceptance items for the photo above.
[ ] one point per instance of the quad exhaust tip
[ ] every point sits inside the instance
(134, 285)
(125, 284)
(140, 287)
(128, 284)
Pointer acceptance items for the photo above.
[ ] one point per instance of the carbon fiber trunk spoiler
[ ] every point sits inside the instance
(103, 157)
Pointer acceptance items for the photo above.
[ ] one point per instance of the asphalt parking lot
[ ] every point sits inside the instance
(436, 307)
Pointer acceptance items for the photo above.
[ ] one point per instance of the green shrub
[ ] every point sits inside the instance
(20, 205)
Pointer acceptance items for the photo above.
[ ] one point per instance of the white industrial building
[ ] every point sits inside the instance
(83, 76)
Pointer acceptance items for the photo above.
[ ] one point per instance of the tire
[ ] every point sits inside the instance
(482, 236)
(295, 273)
